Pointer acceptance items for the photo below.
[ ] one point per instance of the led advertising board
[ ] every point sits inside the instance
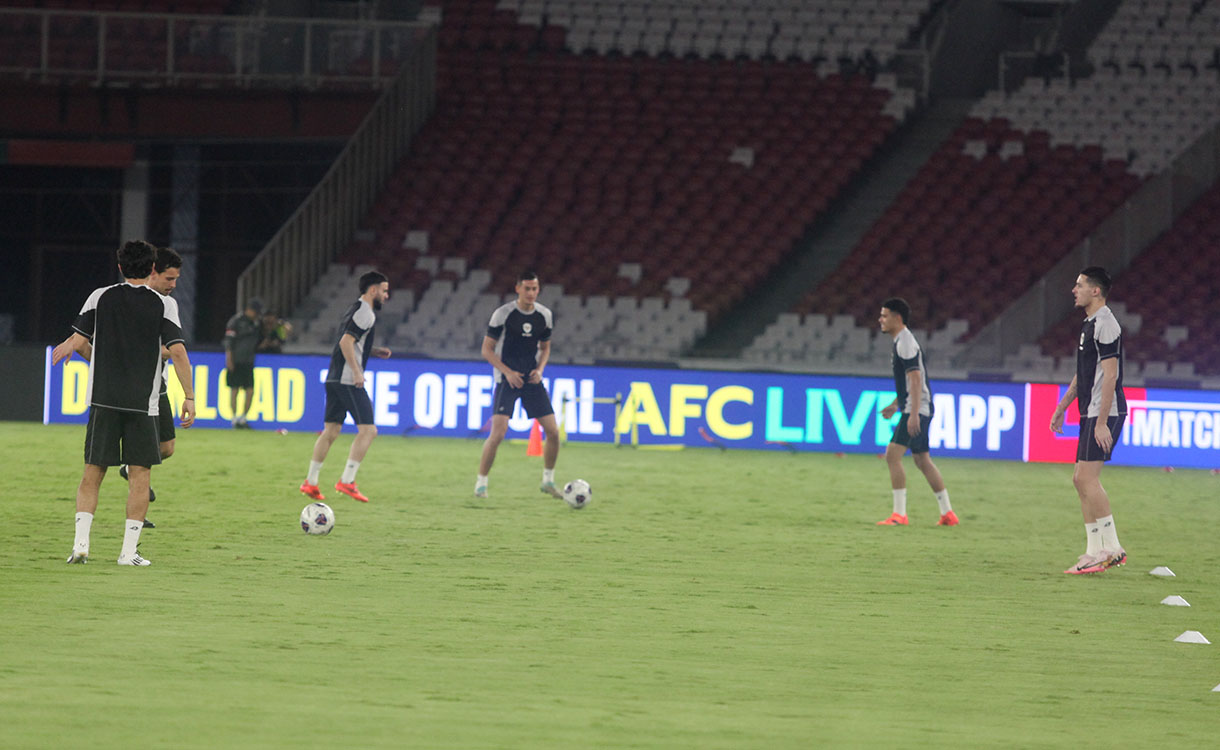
(767, 411)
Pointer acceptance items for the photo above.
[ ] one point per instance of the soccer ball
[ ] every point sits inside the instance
(577, 493)
(317, 518)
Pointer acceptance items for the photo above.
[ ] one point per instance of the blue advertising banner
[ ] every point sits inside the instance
(767, 411)
(674, 407)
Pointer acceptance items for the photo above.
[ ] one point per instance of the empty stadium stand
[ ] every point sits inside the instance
(658, 191)
(1018, 185)
(1165, 302)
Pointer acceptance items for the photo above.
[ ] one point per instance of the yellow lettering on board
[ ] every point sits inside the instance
(715, 412)
(262, 407)
(75, 386)
(680, 408)
(642, 407)
(289, 395)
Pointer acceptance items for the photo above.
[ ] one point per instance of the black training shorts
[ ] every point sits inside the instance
(917, 444)
(1087, 448)
(342, 400)
(116, 437)
(533, 397)
(240, 375)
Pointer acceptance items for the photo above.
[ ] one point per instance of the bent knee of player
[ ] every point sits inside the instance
(167, 449)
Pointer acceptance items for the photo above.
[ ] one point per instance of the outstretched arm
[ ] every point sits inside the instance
(74, 343)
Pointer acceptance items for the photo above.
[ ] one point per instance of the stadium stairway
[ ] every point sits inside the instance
(834, 237)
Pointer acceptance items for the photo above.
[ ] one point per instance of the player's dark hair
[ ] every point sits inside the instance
(372, 278)
(900, 306)
(527, 275)
(1098, 277)
(136, 259)
(167, 258)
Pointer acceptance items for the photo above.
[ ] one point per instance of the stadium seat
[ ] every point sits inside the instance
(585, 165)
(1176, 340)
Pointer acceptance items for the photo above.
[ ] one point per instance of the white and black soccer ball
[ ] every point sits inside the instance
(577, 493)
(317, 518)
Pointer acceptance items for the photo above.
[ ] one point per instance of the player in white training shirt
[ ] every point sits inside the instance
(914, 402)
(345, 392)
(1098, 390)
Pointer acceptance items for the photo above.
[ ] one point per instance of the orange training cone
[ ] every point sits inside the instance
(535, 445)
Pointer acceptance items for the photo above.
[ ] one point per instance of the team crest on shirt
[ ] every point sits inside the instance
(1082, 341)
(526, 328)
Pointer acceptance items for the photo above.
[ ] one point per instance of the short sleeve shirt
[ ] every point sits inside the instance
(358, 321)
(1101, 338)
(518, 334)
(241, 338)
(127, 324)
(908, 357)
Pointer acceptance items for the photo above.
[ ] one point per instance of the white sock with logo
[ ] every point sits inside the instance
(548, 475)
(84, 523)
(315, 468)
(900, 501)
(942, 499)
(349, 472)
(131, 537)
(480, 480)
(1093, 535)
(1109, 534)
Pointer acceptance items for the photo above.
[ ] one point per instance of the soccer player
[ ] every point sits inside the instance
(167, 268)
(127, 325)
(518, 345)
(243, 333)
(914, 400)
(345, 392)
(1098, 389)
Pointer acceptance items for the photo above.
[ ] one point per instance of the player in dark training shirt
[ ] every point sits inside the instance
(1098, 390)
(518, 345)
(167, 268)
(345, 392)
(127, 325)
(914, 403)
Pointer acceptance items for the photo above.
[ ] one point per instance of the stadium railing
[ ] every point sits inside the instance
(301, 251)
(51, 45)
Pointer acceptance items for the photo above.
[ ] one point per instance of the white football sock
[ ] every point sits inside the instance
(349, 472)
(315, 468)
(480, 480)
(84, 522)
(900, 501)
(1093, 535)
(942, 499)
(131, 537)
(1109, 534)
(548, 475)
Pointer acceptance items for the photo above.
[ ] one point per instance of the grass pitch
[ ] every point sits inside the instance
(702, 600)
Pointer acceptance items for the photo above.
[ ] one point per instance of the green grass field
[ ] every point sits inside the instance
(703, 600)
